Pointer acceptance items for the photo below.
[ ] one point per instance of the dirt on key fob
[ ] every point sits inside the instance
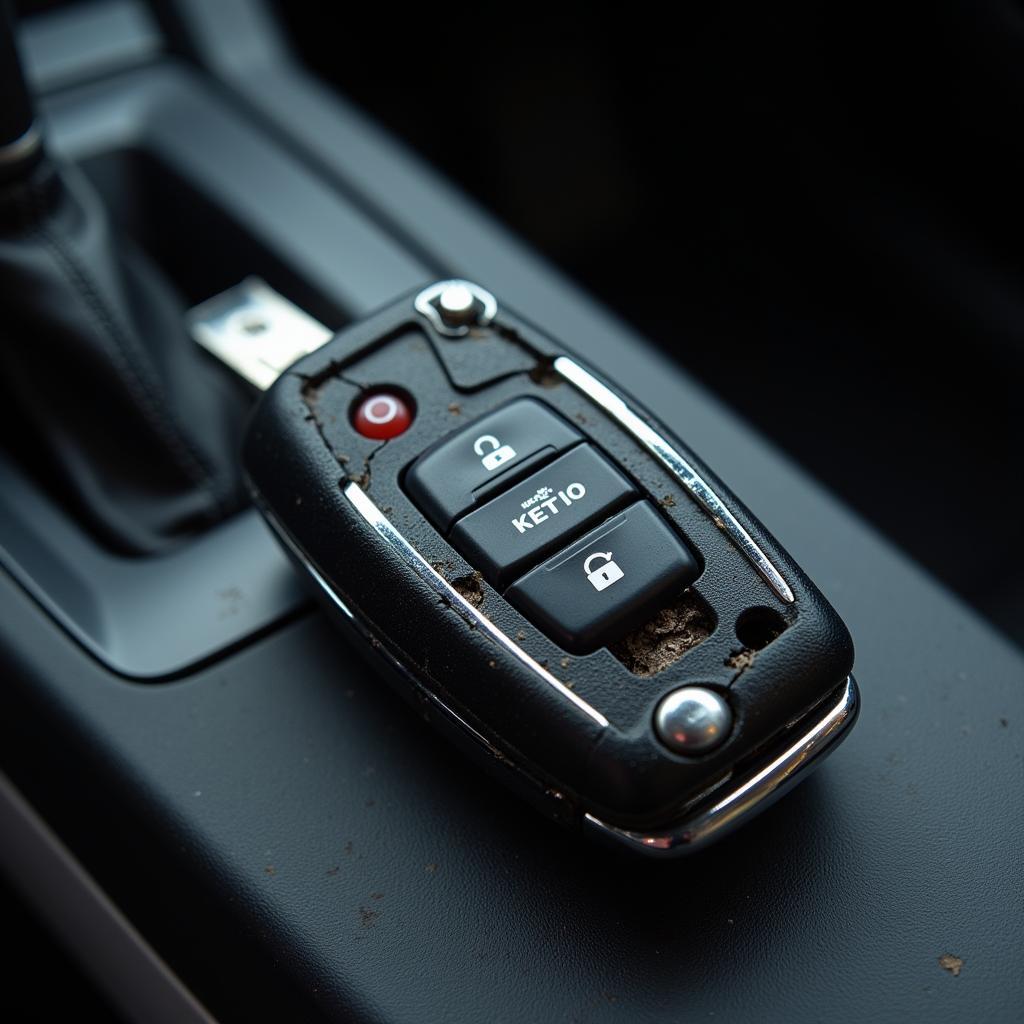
(556, 580)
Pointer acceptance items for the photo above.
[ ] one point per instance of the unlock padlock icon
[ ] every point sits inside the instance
(492, 452)
(604, 575)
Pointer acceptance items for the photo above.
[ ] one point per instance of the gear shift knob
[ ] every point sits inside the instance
(20, 140)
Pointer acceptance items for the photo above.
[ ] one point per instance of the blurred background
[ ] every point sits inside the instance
(815, 208)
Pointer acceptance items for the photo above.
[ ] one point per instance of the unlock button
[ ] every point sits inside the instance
(612, 579)
(606, 575)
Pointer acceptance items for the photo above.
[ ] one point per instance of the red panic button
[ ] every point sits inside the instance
(382, 415)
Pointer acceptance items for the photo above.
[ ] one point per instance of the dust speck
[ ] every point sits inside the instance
(232, 600)
(953, 964)
(741, 659)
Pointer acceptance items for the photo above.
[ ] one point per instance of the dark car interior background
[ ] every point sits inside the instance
(796, 233)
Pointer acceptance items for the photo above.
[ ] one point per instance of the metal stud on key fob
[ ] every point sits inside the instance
(557, 581)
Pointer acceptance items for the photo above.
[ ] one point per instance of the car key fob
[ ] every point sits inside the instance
(558, 582)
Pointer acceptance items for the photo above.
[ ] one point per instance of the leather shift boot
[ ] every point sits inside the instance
(131, 424)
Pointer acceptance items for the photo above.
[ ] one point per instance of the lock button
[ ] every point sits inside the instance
(464, 469)
(611, 580)
(492, 452)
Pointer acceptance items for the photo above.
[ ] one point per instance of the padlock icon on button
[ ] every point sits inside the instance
(605, 575)
(492, 452)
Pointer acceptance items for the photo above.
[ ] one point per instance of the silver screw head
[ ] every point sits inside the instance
(692, 720)
(457, 304)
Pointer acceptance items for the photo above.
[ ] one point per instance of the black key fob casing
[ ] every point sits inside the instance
(558, 582)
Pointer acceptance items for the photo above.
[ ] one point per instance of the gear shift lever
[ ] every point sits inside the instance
(115, 410)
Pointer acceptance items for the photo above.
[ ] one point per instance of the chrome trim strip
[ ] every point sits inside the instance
(327, 589)
(365, 506)
(700, 490)
(112, 953)
(749, 796)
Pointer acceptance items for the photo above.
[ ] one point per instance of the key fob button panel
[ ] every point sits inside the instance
(610, 580)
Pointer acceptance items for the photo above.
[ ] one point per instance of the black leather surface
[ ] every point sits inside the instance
(120, 414)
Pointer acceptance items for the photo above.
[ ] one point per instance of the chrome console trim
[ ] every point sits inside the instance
(387, 531)
(699, 489)
(747, 795)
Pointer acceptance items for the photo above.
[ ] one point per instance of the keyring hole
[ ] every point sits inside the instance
(756, 628)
